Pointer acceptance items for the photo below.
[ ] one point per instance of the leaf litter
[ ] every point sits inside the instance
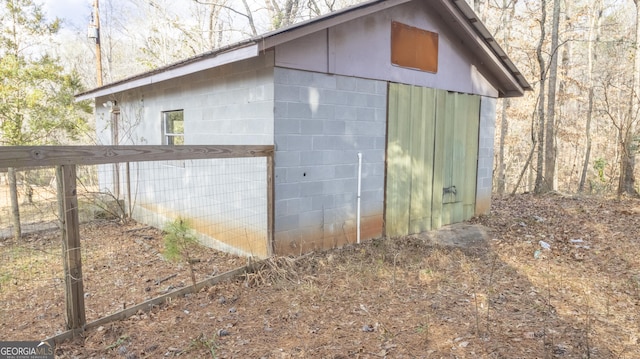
(420, 296)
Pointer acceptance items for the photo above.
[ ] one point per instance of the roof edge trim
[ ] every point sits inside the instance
(223, 58)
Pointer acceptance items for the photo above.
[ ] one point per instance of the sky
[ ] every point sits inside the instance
(76, 13)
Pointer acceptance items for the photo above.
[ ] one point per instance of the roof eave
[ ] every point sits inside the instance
(511, 76)
(239, 52)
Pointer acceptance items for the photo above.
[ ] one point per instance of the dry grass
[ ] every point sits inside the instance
(415, 297)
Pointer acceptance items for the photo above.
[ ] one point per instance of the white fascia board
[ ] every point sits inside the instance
(464, 24)
(224, 58)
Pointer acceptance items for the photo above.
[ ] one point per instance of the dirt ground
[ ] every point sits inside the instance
(540, 277)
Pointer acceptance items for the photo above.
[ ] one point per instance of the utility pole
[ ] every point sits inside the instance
(94, 33)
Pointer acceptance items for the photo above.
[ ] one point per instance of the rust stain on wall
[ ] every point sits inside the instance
(215, 234)
(331, 236)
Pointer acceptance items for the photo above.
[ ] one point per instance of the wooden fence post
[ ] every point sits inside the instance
(72, 255)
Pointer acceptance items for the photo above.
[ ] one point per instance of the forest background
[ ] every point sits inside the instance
(577, 131)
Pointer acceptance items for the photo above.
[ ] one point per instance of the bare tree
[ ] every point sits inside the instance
(550, 136)
(508, 10)
(594, 36)
(629, 142)
(541, 98)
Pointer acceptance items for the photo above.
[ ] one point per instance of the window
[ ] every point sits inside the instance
(414, 48)
(173, 127)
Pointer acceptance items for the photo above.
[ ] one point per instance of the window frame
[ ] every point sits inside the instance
(169, 137)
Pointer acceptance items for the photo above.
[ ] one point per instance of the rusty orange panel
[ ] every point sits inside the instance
(413, 47)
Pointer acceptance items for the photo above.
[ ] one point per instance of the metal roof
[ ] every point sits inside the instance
(462, 19)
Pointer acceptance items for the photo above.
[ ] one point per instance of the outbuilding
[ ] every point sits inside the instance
(382, 116)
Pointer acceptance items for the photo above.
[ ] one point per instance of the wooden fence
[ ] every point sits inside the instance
(67, 158)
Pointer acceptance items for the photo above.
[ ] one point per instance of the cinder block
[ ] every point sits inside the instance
(357, 99)
(287, 223)
(334, 127)
(303, 78)
(280, 208)
(311, 127)
(287, 159)
(346, 171)
(311, 158)
(346, 83)
(372, 183)
(332, 156)
(333, 187)
(345, 199)
(375, 196)
(364, 142)
(322, 202)
(325, 112)
(366, 86)
(287, 190)
(378, 101)
(311, 219)
(298, 143)
(311, 189)
(280, 174)
(306, 204)
(332, 97)
(280, 75)
(324, 81)
(348, 113)
(361, 128)
(292, 207)
(289, 93)
(319, 143)
(298, 110)
(365, 114)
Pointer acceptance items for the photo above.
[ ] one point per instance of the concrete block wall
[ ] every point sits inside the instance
(224, 199)
(322, 122)
(227, 105)
(485, 154)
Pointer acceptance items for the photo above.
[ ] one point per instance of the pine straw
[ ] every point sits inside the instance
(273, 270)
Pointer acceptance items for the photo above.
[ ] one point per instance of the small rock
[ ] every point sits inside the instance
(367, 328)
(150, 348)
(560, 349)
(223, 333)
(122, 350)
(545, 245)
(222, 300)
(232, 310)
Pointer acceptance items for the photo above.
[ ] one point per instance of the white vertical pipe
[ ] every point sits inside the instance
(359, 190)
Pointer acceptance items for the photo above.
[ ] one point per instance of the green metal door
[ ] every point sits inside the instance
(432, 151)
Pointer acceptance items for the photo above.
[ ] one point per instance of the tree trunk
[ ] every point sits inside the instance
(539, 186)
(504, 127)
(550, 136)
(594, 36)
(15, 209)
(627, 166)
(507, 21)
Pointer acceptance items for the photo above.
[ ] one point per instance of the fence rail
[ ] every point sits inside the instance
(67, 159)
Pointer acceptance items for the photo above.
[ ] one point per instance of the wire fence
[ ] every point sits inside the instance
(124, 209)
